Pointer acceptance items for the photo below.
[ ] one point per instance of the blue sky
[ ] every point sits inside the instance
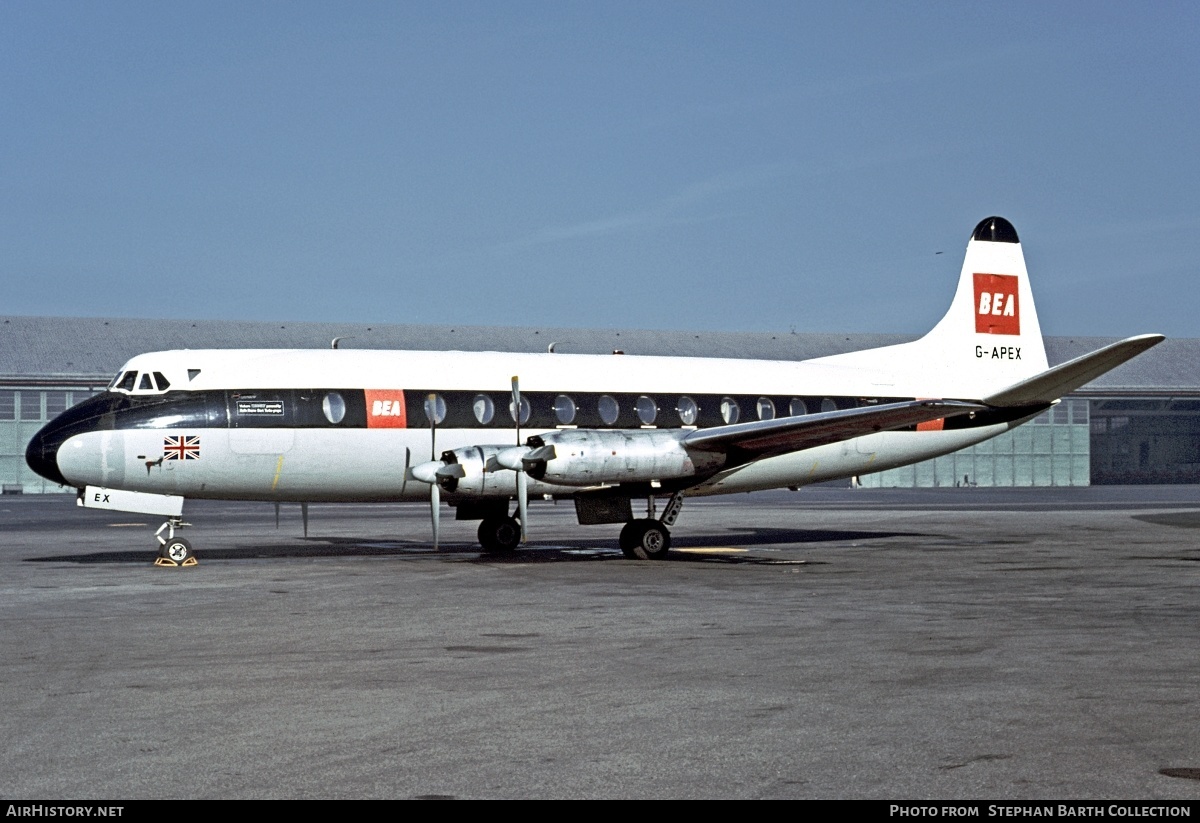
(711, 166)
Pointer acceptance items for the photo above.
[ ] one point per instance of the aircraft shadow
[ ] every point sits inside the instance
(691, 548)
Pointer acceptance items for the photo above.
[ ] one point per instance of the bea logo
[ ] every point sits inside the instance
(997, 310)
(385, 409)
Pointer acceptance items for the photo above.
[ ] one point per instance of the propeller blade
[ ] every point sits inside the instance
(407, 468)
(516, 395)
(431, 413)
(435, 513)
(435, 491)
(522, 501)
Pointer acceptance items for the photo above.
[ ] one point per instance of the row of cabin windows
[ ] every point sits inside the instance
(645, 407)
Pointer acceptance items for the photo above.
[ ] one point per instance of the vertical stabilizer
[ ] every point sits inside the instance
(989, 338)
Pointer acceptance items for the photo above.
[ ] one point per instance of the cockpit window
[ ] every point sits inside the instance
(163, 383)
(145, 385)
(127, 381)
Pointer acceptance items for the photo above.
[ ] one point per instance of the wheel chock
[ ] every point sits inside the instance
(166, 561)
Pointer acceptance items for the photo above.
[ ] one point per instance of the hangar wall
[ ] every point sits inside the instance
(1102, 441)
(1053, 449)
(23, 411)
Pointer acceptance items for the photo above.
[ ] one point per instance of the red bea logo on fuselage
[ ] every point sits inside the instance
(385, 409)
(997, 309)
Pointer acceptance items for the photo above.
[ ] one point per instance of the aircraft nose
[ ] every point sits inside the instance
(42, 454)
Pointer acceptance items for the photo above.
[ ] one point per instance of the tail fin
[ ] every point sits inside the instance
(989, 339)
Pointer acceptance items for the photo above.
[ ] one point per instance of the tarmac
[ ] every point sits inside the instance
(1025, 644)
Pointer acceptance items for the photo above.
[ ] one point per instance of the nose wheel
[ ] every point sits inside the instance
(172, 550)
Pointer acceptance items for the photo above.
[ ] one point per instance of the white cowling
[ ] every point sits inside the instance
(585, 458)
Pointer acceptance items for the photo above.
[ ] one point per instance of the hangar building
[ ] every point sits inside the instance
(1138, 424)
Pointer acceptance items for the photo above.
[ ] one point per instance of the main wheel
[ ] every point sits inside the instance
(645, 540)
(499, 535)
(631, 532)
(176, 550)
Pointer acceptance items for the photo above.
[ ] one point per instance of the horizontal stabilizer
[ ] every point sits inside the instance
(767, 438)
(1065, 378)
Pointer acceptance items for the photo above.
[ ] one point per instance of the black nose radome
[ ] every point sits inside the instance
(995, 230)
(42, 456)
(92, 414)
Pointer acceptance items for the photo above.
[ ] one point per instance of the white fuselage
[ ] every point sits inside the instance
(240, 459)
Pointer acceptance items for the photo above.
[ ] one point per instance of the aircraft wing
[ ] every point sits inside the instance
(1052, 384)
(768, 438)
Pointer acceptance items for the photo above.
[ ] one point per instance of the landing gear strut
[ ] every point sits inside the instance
(648, 538)
(172, 550)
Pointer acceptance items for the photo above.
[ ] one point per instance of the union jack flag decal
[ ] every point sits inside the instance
(184, 447)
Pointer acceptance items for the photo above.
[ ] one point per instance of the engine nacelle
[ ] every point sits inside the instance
(479, 474)
(589, 457)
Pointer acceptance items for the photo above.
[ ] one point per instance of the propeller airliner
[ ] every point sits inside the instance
(480, 430)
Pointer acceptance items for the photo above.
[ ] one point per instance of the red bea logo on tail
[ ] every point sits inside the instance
(997, 310)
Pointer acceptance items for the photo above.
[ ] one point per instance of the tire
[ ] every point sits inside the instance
(499, 535)
(177, 550)
(645, 540)
(630, 534)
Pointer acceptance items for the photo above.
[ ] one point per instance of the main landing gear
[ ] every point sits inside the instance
(648, 538)
(172, 550)
(499, 535)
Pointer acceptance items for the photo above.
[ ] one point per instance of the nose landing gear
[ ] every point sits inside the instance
(172, 550)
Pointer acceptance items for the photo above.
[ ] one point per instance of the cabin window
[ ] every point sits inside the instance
(827, 405)
(334, 406)
(765, 408)
(609, 409)
(564, 409)
(730, 411)
(525, 411)
(484, 409)
(688, 411)
(647, 410)
(797, 407)
(435, 408)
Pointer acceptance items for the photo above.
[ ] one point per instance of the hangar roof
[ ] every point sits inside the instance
(75, 349)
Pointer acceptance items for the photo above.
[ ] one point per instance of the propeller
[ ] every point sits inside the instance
(438, 472)
(522, 479)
